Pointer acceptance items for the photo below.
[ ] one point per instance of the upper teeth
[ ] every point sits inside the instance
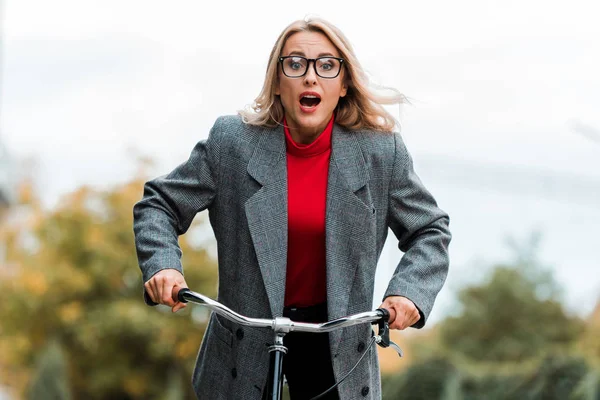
(310, 96)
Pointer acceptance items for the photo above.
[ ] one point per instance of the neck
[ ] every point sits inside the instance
(305, 135)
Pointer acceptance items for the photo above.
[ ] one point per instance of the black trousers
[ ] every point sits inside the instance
(307, 364)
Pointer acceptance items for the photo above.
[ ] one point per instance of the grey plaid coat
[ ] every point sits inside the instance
(239, 175)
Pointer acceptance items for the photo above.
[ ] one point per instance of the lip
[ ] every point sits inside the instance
(309, 109)
(317, 95)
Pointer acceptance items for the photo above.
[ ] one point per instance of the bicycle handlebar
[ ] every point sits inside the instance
(280, 324)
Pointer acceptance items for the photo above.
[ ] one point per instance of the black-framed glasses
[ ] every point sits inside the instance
(297, 66)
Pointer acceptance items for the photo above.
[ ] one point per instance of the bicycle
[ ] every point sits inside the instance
(282, 325)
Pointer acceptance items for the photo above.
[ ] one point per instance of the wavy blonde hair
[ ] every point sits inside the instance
(361, 108)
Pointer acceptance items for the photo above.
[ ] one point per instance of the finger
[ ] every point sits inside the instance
(178, 306)
(151, 290)
(167, 290)
(393, 314)
(397, 325)
(416, 318)
(401, 319)
(411, 319)
(158, 281)
(393, 324)
(175, 291)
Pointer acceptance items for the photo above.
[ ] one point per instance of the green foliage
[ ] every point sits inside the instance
(492, 387)
(589, 343)
(588, 388)
(174, 389)
(512, 340)
(557, 378)
(50, 381)
(75, 278)
(432, 379)
(514, 316)
(554, 378)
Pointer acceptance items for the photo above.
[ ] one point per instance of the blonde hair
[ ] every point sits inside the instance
(361, 108)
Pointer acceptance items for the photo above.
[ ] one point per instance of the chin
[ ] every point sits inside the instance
(314, 121)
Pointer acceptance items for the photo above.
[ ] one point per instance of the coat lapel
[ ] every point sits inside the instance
(267, 215)
(345, 223)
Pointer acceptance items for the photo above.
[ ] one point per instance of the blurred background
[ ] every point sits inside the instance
(503, 125)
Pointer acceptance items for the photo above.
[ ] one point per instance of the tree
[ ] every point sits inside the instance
(50, 382)
(431, 379)
(514, 316)
(589, 343)
(555, 377)
(511, 340)
(74, 279)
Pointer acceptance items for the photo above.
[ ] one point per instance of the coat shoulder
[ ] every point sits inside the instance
(230, 122)
(234, 128)
(377, 144)
(238, 140)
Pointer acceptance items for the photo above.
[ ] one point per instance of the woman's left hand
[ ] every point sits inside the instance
(403, 312)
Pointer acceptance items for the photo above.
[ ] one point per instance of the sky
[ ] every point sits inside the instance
(503, 121)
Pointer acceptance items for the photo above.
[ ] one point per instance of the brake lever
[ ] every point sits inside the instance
(383, 337)
(397, 348)
(383, 333)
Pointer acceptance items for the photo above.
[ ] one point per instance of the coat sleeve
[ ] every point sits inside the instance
(421, 228)
(169, 205)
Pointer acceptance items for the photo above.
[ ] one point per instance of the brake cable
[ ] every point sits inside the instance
(382, 339)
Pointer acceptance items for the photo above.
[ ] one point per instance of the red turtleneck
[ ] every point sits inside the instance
(307, 171)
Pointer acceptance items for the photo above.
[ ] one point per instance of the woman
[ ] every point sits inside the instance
(301, 191)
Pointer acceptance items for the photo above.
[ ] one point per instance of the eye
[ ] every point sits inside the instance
(296, 63)
(327, 64)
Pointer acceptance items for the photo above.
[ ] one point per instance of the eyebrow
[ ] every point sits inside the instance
(301, 53)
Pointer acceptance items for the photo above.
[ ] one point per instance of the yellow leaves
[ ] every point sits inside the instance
(80, 282)
(9, 346)
(126, 310)
(132, 192)
(26, 194)
(70, 312)
(95, 236)
(588, 344)
(77, 200)
(135, 385)
(21, 344)
(35, 283)
(68, 278)
(187, 348)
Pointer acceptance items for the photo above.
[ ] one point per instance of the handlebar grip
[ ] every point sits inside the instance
(385, 314)
(178, 294)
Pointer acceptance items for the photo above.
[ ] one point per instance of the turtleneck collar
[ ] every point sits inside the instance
(320, 145)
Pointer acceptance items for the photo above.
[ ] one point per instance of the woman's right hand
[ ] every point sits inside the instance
(160, 288)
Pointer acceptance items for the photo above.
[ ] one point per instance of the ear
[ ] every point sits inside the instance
(277, 89)
(343, 90)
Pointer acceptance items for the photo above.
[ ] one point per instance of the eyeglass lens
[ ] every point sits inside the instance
(325, 67)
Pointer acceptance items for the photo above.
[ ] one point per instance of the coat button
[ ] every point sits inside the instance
(234, 373)
(365, 391)
(239, 333)
(361, 347)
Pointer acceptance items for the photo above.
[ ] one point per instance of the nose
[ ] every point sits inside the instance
(310, 78)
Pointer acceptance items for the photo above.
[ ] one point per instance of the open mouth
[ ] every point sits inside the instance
(310, 100)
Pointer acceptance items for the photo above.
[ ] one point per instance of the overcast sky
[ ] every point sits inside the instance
(86, 85)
